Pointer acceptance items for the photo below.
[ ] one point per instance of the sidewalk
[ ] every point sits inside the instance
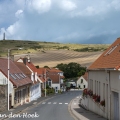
(24, 107)
(81, 114)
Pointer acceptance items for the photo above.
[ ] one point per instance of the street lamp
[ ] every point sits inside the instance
(8, 76)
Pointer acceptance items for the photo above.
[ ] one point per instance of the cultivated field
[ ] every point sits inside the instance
(53, 57)
(50, 53)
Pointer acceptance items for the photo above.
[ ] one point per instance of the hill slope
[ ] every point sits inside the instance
(54, 57)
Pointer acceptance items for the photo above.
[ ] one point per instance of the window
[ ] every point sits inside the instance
(81, 80)
(21, 75)
(49, 82)
(111, 50)
(13, 76)
(99, 88)
(95, 86)
(103, 91)
(17, 76)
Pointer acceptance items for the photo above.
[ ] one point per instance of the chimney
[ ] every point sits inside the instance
(24, 60)
(28, 58)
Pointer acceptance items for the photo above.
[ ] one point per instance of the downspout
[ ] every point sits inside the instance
(88, 88)
(110, 95)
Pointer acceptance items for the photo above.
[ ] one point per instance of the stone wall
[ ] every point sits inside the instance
(3, 98)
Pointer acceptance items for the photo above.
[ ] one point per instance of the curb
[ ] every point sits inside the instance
(71, 111)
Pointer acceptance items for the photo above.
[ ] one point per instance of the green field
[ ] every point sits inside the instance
(24, 47)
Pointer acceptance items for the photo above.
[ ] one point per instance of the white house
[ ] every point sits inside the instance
(19, 83)
(31, 71)
(103, 94)
(82, 81)
(56, 76)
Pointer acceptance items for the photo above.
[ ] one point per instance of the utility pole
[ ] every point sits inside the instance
(8, 76)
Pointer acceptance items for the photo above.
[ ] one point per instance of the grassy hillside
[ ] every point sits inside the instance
(24, 47)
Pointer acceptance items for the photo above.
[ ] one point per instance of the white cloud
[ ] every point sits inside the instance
(11, 31)
(68, 5)
(96, 7)
(19, 13)
(115, 4)
(39, 6)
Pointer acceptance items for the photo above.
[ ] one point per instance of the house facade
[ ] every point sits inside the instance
(82, 82)
(103, 94)
(32, 72)
(19, 83)
(56, 77)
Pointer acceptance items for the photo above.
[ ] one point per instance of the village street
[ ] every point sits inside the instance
(55, 108)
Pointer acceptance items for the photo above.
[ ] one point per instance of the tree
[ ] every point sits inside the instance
(37, 66)
(72, 69)
(46, 67)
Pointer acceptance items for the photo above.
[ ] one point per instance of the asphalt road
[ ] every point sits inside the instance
(55, 108)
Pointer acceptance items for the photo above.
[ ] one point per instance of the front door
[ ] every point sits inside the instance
(56, 89)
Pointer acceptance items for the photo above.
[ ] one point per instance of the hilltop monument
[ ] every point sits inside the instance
(3, 36)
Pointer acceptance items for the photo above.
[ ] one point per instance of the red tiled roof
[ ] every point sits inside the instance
(31, 66)
(41, 73)
(85, 76)
(14, 70)
(54, 78)
(110, 59)
(54, 70)
(41, 70)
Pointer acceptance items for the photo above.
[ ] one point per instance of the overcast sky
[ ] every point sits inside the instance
(64, 21)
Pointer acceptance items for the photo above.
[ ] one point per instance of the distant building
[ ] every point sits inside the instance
(82, 81)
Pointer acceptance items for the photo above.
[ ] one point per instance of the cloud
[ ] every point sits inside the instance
(64, 21)
(39, 6)
(19, 13)
(68, 5)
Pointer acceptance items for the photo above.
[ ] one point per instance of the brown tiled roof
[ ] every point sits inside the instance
(110, 59)
(54, 78)
(54, 70)
(85, 76)
(40, 71)
(24, 69)
(14, 70)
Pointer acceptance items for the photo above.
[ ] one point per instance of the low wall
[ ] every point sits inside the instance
(3, 98)
(96, 107)
(84, 102)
